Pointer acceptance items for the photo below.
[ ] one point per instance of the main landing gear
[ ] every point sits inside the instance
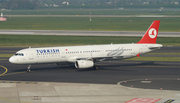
(28, 69)
(96, 67)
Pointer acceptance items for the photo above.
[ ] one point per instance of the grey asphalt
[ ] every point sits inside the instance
(86, 33)
(50, 83)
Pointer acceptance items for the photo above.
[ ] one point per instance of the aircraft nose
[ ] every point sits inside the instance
(11, 59)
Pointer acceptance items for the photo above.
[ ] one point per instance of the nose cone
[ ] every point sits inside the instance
(11, 59)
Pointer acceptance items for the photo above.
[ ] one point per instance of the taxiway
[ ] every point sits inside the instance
(85, 33)
(115, 82)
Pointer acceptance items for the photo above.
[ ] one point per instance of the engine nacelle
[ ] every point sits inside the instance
(84, 64)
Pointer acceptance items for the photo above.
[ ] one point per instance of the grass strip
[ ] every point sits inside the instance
(174, 59)
(83, 23)
(171, 53)
(6, 55)
(54, 40)
(86, 11)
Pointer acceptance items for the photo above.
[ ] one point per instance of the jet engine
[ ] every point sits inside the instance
(84, 64)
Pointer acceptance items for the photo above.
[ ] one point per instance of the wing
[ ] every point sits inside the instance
(97, 59)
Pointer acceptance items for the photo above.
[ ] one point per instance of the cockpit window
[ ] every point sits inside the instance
(19, 54)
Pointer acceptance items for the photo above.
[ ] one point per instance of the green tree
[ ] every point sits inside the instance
(20, 4)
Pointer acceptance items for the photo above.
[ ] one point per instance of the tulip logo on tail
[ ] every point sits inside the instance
(152, 33)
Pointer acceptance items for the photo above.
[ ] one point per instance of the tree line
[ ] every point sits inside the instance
(34, 4)
(19, 4)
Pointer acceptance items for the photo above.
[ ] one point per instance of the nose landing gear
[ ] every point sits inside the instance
(28, 69)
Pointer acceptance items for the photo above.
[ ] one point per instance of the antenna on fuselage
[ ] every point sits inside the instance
(29, 47)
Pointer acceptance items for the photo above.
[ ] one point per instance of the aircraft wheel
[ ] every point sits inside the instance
(28, 70)
(96, 67)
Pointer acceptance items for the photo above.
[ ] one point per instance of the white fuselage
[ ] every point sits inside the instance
(71, 54)
(87, 56)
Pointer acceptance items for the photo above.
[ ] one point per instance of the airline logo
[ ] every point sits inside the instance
(152, 33)
(48, 51)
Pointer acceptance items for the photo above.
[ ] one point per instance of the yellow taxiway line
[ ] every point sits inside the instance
(13, 100)
(5, 71)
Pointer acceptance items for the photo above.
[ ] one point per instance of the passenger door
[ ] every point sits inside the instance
(31, 55)
(63, 54)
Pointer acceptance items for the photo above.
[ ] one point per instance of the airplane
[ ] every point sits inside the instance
(88, 56)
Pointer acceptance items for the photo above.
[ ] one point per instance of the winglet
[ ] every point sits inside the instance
(151, 34)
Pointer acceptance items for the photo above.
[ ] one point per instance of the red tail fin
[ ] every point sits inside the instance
(151, 34)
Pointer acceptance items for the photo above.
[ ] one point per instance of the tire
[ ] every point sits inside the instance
(96, 67)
